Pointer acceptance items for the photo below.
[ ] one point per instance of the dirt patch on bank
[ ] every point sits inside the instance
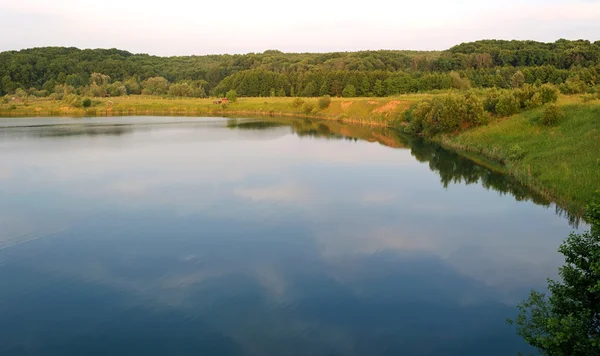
(346, 104)
(387, 107)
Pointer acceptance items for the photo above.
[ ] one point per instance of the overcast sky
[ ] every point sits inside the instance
(183, 27)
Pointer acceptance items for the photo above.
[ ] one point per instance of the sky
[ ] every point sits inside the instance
(188, 27)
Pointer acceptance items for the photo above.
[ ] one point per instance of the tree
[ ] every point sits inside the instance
(155, 86)
(349, 91)
(180, 89)
(567, 321)
(232, 96)
(309, 89)
(517, 80)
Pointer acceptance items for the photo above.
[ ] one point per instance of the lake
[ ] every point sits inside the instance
(214, 236)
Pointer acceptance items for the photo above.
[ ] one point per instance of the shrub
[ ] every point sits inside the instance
(232, 96)
(548, 93)
(534, 102)
(87, 102)
(573, 85)
(491, 101)
(476, 114)
(12, 107)
(588, 97)
(297, 102)
(308, 108)
(551, 115)
(508, 104)
(324, 102)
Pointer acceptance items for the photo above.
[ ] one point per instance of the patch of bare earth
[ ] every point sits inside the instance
(372, 102)
(387, 107)
(345, 105)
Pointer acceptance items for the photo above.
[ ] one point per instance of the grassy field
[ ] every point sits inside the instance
(561, 162)
(376, 111)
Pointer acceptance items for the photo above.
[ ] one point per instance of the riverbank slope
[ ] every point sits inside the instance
(562, 161)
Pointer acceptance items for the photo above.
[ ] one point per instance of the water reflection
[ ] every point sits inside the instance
(230, 237)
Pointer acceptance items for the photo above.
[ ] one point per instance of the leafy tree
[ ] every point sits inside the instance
(508, 104)
(155, 86)
(349, 91)
(548, 93)
(518, 79)
(232, 96)
(309, 90)
(567, 321)
(181, 89)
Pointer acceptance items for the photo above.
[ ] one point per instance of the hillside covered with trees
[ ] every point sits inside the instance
(573, 66)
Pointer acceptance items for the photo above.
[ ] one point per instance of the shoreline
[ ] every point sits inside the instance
(354, 111)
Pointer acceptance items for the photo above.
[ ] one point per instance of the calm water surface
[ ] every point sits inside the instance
(204, 236)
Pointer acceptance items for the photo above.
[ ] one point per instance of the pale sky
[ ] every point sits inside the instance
(185, 27)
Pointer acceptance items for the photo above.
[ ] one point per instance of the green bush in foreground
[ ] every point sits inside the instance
(87, 102)
(567, 321)
(551, 115)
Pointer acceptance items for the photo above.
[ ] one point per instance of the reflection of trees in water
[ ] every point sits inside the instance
(254, 125)
(69, 130)
(450, 166)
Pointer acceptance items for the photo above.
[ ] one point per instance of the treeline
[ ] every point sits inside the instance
(574, 66)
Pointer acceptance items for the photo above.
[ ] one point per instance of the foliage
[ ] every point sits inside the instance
(573, 85)
(308, 108)
(571, 65)
(567, 322)
(87, 102)
(508, 104)
(324, 102)
(232, 95)
(297, 102)
(551, 115)
(349, 91)
(155, 86)
(447, 113)
(518, 79)
(548, 93)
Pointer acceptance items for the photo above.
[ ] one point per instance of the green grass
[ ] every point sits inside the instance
(562, 162)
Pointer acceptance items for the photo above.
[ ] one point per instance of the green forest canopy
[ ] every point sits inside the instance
(572, 65)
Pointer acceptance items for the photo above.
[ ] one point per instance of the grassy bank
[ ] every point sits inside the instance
(375, 111)
(562, 162)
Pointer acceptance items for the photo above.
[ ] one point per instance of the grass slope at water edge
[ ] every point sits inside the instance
(562, 162)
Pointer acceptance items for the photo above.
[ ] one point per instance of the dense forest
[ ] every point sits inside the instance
(573, 66)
